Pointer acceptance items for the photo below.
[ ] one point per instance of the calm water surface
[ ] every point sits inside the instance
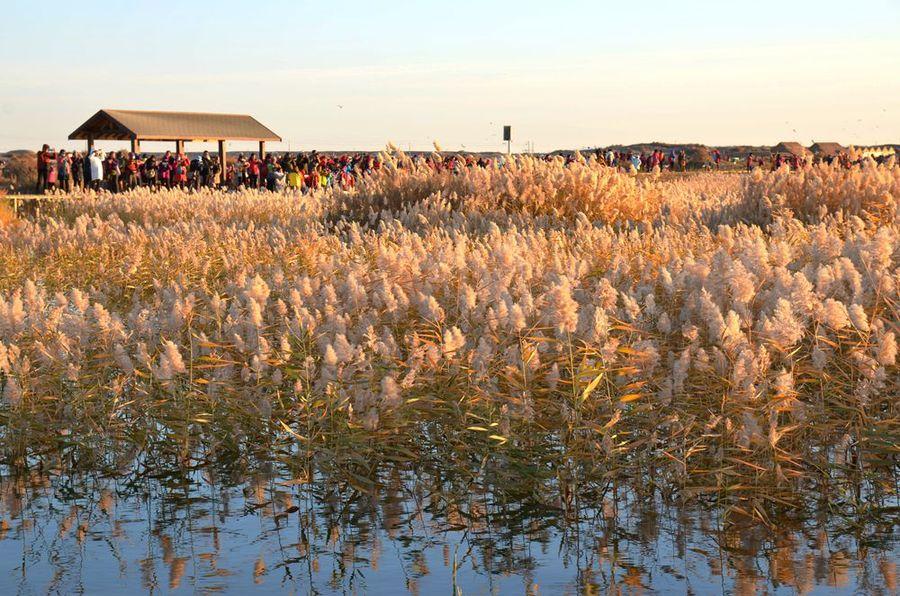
(247, 528)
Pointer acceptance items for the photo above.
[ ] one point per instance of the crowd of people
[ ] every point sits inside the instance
(121, 171)
(775, 162)
(797, 162)
(675, 160)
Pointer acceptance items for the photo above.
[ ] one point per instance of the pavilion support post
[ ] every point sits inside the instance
(90, 144)
(179, 147)
(135, 146)
(223, 162)
(262, 150)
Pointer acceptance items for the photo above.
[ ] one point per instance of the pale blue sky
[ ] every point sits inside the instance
(562, 73)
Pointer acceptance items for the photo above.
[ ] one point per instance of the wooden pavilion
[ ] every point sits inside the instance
(177, 127)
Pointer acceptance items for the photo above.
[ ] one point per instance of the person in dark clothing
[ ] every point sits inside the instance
(77, 171)
(64, 170)
(42, 160)
(205, 169)
(214, 169)
(194, 173)
(86, 170)
(112, 172)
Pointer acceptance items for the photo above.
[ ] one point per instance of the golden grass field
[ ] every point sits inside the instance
(719, 335)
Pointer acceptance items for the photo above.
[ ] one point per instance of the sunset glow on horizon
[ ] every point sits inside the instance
(564, 75)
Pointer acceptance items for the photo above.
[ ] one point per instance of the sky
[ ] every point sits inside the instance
(563, 74)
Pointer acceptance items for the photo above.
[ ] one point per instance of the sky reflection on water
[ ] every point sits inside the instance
(237, 532)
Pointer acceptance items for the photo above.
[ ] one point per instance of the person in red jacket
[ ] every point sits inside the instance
(180, 170)
(253, 171)
(131, 171)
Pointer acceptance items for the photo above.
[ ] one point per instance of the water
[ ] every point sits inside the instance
(240, 526)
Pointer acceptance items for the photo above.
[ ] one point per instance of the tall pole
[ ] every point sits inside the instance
(262, 150)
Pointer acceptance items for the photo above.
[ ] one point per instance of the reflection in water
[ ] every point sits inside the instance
(425, 528)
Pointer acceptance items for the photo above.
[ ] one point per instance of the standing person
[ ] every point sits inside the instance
(131, 172)
(186, 165)
(64, 167)
(95, 163)
(294, 179)
(77, 171)
(750, 162)
(42, 168)
(264, 172)
(271, 169)
(240, 171)
(141, 160)
(52, 170)
(277, 176)
(149, 173)
(229, 174)
(180, 170)
(111, 167)
(86, 169)
(164, 171)
(635, 162)
(203, 169)
(253, 171)
(347, 180)
(206, 169)
(682, 160)
(194, 173)
(717, 157)
(214, 169)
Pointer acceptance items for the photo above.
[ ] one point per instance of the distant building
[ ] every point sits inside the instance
(827, 149)
(791, 148)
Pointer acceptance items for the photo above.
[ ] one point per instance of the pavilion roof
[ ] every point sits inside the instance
(172, 126)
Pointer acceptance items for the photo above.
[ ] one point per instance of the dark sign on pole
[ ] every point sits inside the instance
(507, 133)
